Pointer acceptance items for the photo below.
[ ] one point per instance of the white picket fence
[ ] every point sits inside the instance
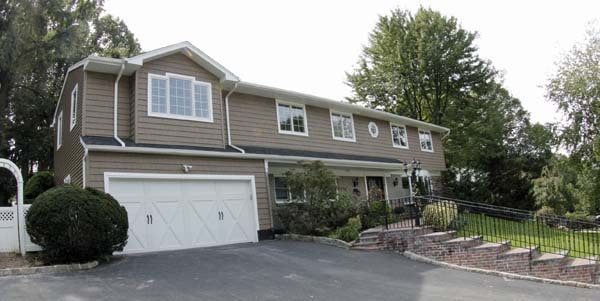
(9, 231)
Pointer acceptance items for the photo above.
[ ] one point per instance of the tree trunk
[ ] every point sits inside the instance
(4, 94)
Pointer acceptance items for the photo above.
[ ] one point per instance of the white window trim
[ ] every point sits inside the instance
(331, 112)
(168, 98)
(73, 119)
(279, 130)
(59, 130)
(421, 144)
(392, 135)
(289, 194)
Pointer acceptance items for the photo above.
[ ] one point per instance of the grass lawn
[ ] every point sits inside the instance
(581, 244)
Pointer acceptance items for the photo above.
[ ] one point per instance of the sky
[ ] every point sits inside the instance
(308, 46)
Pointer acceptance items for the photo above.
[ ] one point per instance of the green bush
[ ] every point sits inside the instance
(350, 231)
(37, 184)
(321, 210)
(440, 215)
(373, 214)
(580, 221)
(76, 225)
(545, 211)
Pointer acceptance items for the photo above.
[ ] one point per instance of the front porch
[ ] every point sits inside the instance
(359, 183)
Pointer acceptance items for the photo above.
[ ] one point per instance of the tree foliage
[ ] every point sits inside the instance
(426, 66)
(575, 88)
(39, 40)
(419, 66)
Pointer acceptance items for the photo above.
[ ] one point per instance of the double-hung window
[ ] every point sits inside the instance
(291, 118)
(73, 107)
(283, 193)
(426, 141)
(59, 128)
(342, 126)
(399, 136)
(179, 97)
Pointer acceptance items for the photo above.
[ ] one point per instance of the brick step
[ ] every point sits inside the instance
(463, 243)
(498, 247)
(516, 260)
(367, 247)
(436, 236)
(549, 265)
(551, 258)
(368, 239)
(581, 269)
(485, 255)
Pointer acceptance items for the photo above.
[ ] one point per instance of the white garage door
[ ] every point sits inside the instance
(180, 212)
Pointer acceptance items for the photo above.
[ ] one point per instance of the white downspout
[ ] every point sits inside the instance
(227, 116)
(83, 160)
(117, 105)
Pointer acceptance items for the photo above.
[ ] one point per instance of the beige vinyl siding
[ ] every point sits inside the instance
(173, 131)
(132, 107)
(99, 105)
(101, 162)
(68, 159)
(254, 123)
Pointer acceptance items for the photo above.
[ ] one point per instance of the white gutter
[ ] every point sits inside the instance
(446, 135)
(227, 116)
(271, 158)
(117, 105)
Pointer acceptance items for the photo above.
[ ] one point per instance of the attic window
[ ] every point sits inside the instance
(180, 97)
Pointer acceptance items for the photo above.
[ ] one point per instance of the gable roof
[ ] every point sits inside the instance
(113, 66)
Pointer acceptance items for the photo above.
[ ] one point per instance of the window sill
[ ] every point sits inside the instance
(427, 150)
(179, 117)
(293, 133)
(344, 139)
(400, 147)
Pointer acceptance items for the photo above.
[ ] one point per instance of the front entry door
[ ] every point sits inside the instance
(376, 188)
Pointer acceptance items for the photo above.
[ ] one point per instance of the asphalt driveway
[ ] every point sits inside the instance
(277, 270)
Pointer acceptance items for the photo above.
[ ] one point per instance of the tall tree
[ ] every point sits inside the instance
(419, 66)
(575, 88)
(426, 66)
(39, 40)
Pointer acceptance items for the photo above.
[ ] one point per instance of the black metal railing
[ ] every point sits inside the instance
(550, 233)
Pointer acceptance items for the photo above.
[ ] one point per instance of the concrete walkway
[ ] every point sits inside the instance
(277, 270)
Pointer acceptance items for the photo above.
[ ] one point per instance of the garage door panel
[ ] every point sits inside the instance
(138, 221)
(168, 224)
(185, 212)
(202, 215)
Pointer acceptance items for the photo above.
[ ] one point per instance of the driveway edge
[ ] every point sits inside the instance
(316, 239)
(48, 269)
(420, 258)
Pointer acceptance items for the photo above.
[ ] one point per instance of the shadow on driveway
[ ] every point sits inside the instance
(277, 270)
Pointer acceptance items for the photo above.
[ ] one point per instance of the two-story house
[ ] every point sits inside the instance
(196, 155)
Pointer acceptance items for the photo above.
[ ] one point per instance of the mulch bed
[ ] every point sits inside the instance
(11, 260)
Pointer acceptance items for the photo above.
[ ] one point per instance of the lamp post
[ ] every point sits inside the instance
(414, 168)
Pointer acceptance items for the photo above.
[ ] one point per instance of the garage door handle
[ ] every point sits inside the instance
(147, 219)
(151, 222)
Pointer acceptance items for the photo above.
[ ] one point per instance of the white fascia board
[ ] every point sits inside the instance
(271, 158)
(190, 51)
(271, 92)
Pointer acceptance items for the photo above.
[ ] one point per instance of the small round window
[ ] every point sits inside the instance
(373, 130)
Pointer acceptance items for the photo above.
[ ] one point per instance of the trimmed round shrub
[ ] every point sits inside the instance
(440, 215)
(72, 224)
(37, 184)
